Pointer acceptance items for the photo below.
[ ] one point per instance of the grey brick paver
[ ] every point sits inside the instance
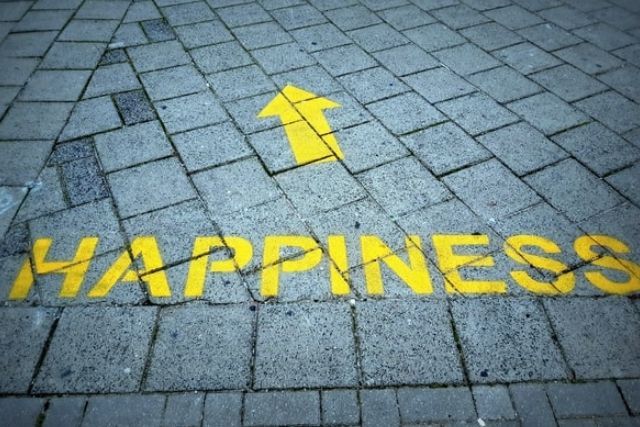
(340, 407)
(91, 116)
(532, 405)
(184, 409)
(223, 409)
(65, 411)
(631, 393)
(282, 408)
(190, 112)
(547, 113)
(432, 405)
(613, 110)
(504, 84)
(438, 84)
(493, 402)
(477, 113)
(406, 113)
(21, 411)
(589, 399)
(139, 410)
(379, 408)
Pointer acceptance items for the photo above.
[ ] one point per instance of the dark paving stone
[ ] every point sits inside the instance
(15, 241)
(134, 107)
(158, 30)
(20, 411)
(83, 181)
(115, 56)
(70, 151)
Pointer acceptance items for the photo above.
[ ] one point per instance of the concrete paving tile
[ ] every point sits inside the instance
(598, 148)
(94, 9)
(612, 110)
(218, 187)
(132, 145)
(406, 113)
(203, 33)
(116, 339)
(286, 57)
(493, 402)
(21, 410)
(34, 120)
(277, 4)
(158, 55)
(379, 84)
(429, 405)
(513, 17)
(379, 408)
(141, 11)
(214, 341)
(587, 399)
(624, 81)
(568, 83)
(630, 54)
(89, 31)
(298, 17)
(573, 190)
(262, 35)
(631, 392)
(491, 190)
(211, 146)
(190, 13)
(588, 58)
(349, 114)
(385, 329)
(405, 59)
(491, 36)
(83, 181)
(73, 55)
(547, 113)
(504, 84)
(377, 37)
(225, 83)
(549, 37)
(220, 57)
(15, 12)
(537, 5)
(604, 36)
(444, 148)
(438, 84)
(532, 404)
(272, 218)
(282, 408)
(16, 71)
(173, 82)
(191, 111)
(184, 409)
(434, 37)
(617, 17)
(91, 116)
(567, 17)
(522, 148)
(587, 5)
(158, 30)
(27, 44)
(9, 269)
(314, 79)
(340, 407)
(140, 410)
(150, 186)
(45, 196)
(378, 5)
(15, 241)
(21, 161)
(245, 111)
(308, 345)
(368, 145)
(272, 148)
(175, 229)
(597, 335)
(22, 350)
(466, 59)
(129, 35)
(403, 186)
(526, 58)
(506, 347)
(351, 18)
(319, 187)
(344, 59)
(225, 408)
(53, 85)
(7, 94)
(67, 410)
(244, 14)
(459, 16)
(111, 79)
(624, 181)
(477, 113)
(406, 17)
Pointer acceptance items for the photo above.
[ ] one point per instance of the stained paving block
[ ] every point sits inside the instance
(83, 181)
(501, 340)
(597, 336)
(20, 411)
(213, 341)
(134, 107)
(24, 333)
(522, 148)
(131, 409)
(308, 345)
(491, 190)
(150, 186)
(15, 241)
(282, 408)
(572, 189)
(158, 30)
(220, 191)
(444, 148)
(598, 148)
(432, 405)
(97, 349)
(403, 186)
(394, 330)
(319, 187)
(132, 145)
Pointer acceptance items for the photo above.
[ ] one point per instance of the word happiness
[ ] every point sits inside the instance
(608, 254)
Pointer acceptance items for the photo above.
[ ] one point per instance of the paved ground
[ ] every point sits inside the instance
(304, 212)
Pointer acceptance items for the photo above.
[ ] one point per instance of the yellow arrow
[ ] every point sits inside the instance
(301, 113)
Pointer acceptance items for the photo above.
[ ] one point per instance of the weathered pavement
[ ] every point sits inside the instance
(149, 174)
